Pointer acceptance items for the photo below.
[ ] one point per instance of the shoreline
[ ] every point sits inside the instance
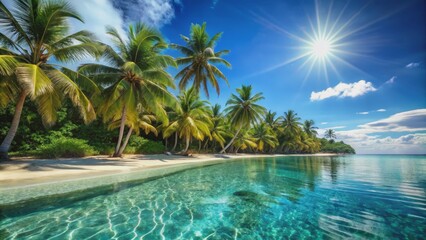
(24, 180)
(22, 172)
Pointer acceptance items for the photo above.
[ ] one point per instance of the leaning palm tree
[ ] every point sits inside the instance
(200, 59)
(309, 128)
(191, 120)
(243, 110)
(244, 140)
(330, 133)
(34, 40)
(264, 136)
(134, 78)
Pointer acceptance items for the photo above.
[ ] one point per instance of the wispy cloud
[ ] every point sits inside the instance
(152, 12)
(337, 127)
(413, 65)
(343, 90)
(214, 2)
(365, 113)
(365, 138)
(324, 123)
(391, 80)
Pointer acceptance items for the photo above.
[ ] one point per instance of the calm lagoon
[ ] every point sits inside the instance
(359, 196)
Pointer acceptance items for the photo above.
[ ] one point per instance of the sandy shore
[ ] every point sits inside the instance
(22, 172)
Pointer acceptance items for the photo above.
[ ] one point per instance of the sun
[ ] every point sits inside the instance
(320, 48)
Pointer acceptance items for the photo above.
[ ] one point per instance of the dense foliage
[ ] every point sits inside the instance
(105, 107)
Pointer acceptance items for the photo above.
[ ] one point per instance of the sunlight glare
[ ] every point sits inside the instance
(320, 48)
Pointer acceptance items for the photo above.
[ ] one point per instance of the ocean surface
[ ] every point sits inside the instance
(357, 196)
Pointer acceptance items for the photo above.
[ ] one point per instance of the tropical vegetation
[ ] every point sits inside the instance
(123, 101)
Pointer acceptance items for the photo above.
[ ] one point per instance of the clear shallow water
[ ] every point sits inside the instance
(380, 197)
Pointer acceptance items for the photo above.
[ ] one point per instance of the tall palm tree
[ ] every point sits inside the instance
(200, 59)
(330, 133)
(309, 128)
(264, 136)
(31, 35)
(134, 78)
(243, 110)
(191, 120)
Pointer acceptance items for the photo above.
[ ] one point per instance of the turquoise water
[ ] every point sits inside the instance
(382, 197)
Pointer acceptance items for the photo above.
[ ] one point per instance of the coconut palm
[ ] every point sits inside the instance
(264, 136)
(200, 60)
(309, 128)
(330, 134)
(134, 78)
(244, 141)
(218, 127)
(243, 110)
(191, 120)
(272, 120)
(31, 35)
(291, 124)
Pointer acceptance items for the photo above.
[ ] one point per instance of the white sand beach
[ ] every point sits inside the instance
(22, 171)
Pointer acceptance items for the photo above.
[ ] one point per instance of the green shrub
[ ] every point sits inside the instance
(66, 147)
(140, 145)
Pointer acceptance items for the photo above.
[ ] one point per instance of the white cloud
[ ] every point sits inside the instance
(362, 113)
(409, 121)
(323, 123)
(381, 110)
(413, 65)
(337, 127)
(96, 15)
(391, 80)
(342, 90)
(152, 12)
(365, 138)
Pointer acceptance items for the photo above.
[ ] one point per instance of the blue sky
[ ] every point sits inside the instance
(373, 91)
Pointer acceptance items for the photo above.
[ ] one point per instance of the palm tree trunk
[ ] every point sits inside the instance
(5, 145)
(232, 140)
(176, 141)
(199, 146)
(205, 145)
(129, 133)
(121, 133)
(187, 144)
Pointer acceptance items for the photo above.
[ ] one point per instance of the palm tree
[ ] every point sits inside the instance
(330, 133)
(243, 110)
(200, 59)
(218, 127)
(31, 35)
(309, 128)
(290, 132)
(272, 120)
(264, 136)
(244, 141)
(291, 124)
(191, 120)
(135, 78)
